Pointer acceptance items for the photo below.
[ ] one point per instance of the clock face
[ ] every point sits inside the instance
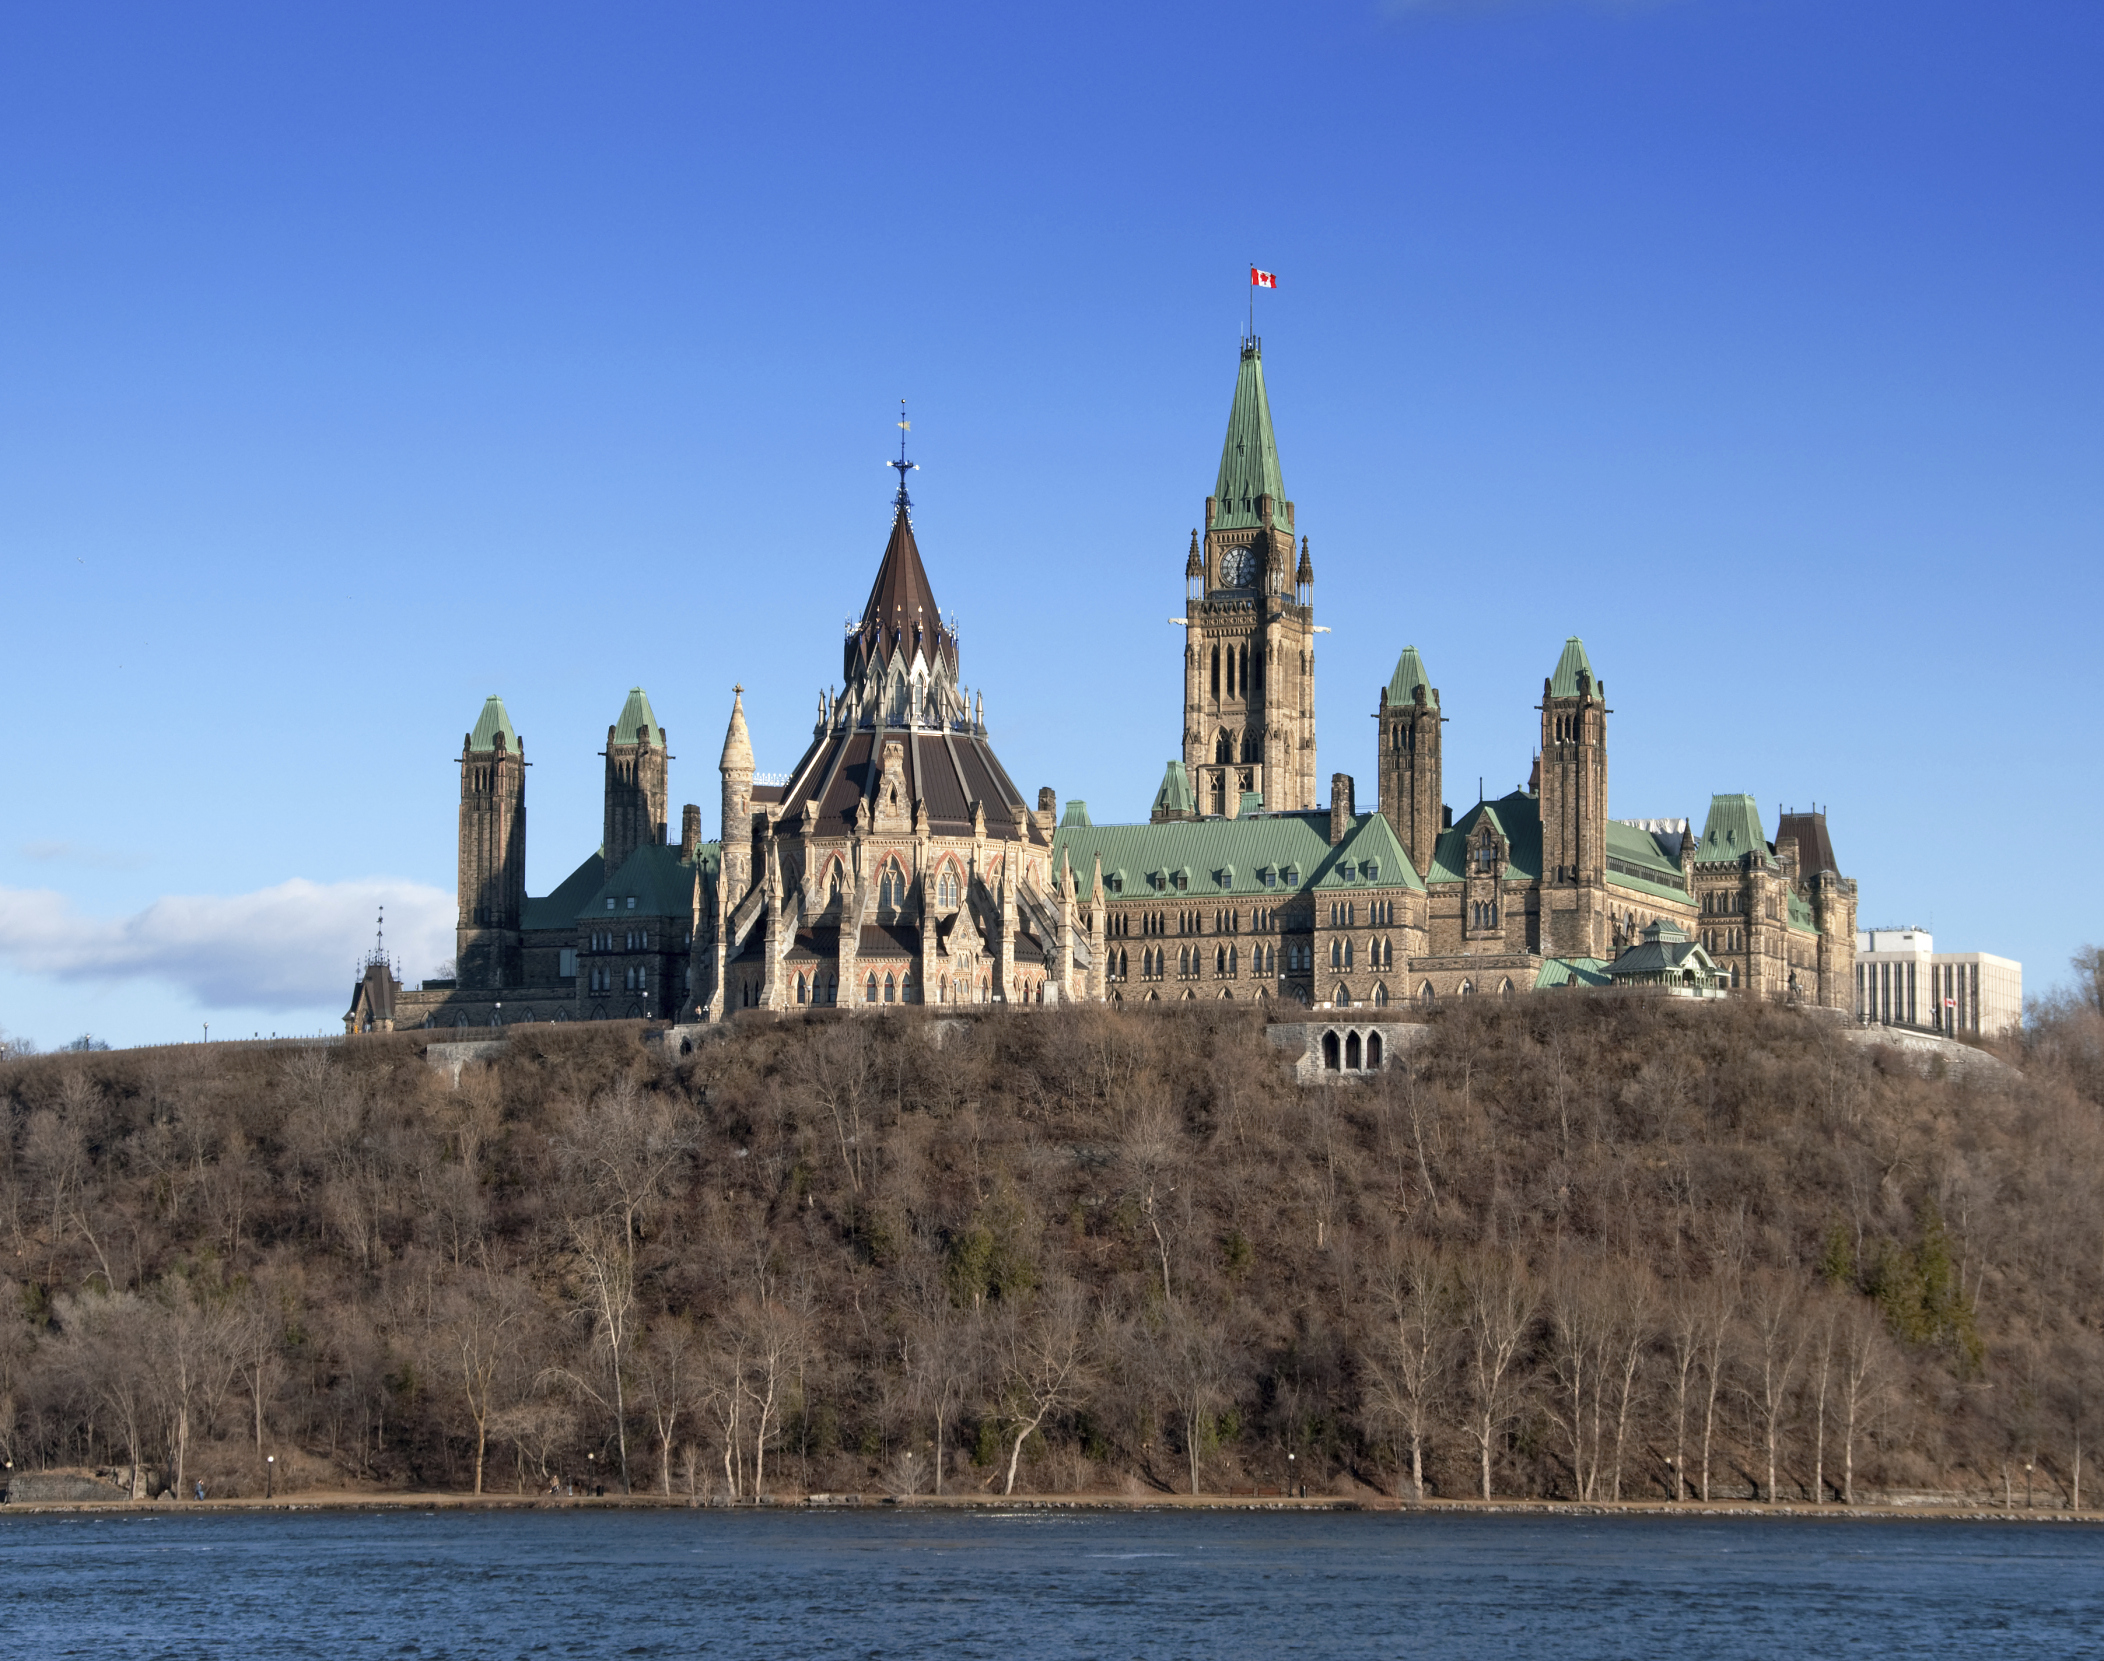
(1238, 568)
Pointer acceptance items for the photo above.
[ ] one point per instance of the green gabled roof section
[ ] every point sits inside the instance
(1564, 683)
(1368, 857)
(1637, 860)
(1410, 674)
(1518, 819)
(493, 720)
(1801, 915)
(1175, 793)
(661, 883)
(1636, 846)
(1230, 857)
(559, 909)
(1077, 814)
(1249, 458)
(636, 717)
(1572, 971)
(1732, 831)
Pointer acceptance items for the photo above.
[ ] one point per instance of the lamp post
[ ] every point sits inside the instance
(1290, 1467)
(270, 1476)
(2027, 1484)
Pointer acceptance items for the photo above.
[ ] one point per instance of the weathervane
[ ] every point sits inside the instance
(902, 464)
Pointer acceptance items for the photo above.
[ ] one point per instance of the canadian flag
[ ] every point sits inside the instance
(1262, 279)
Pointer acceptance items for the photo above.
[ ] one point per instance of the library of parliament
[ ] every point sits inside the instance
(897, 862)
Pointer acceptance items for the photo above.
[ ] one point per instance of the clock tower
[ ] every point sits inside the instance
(1249, 625)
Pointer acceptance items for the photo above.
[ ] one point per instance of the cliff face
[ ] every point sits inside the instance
(1577, 1246)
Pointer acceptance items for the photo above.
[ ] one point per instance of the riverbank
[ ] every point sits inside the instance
(1948, 1509)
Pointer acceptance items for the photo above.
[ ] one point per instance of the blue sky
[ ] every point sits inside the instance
(359, 361)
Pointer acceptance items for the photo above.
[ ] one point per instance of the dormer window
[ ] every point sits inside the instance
(631, 902)
(1268, 876)
(1293, 876)
(611, 902)
(1487, 862)
(1372, 870)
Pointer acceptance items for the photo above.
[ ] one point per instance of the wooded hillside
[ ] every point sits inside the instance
(1577, 1245)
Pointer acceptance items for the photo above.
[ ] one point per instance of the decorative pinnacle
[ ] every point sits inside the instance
(902, 500)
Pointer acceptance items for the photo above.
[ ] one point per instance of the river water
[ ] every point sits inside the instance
(1147, 1584)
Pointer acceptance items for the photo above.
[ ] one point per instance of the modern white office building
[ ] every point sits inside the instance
(1903, 981)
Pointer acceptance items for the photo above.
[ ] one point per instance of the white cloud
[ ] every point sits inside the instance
(289, 947)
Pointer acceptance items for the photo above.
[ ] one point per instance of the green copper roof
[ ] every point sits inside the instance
(1077, 814)
(1564, 683)
(559, 909)
(1249, 458)
(1733, 830)
(660, 882)
(1175, 793)
(1369, 856)
(1410, 674)
(1572, 971)
(1518, 819)
(1234, 856)
(635, 715)
(493, 720)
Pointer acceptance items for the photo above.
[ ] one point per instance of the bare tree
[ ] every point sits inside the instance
(1718, 1304)
(476, 1329)
(107, 1340)
(835, 1067)
(942, 1363)
(1581, 1337)
(1498, 1304)
(1410, 1374)
(1196, 1362)
(197, 1355)
(1043, 1360)
(1630, 1338)
(1778, 1334)
(667, 1366)
(603, 1272)
(775, 1343)
(1863, 1350)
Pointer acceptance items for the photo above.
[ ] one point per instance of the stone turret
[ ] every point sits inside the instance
(736, 767)
(637, 800)
(492, 864)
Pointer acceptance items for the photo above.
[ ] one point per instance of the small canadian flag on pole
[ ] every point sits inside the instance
(1262, 279)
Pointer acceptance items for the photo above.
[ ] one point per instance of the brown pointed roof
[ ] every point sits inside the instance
(901, 608)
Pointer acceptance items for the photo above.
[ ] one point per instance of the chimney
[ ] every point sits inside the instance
(1341, 816)
(689, 830)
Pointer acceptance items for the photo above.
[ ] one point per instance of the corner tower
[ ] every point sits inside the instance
(1575, 920)
(1410, 766)
(1249, 624)
(635, 782)
(492, 866)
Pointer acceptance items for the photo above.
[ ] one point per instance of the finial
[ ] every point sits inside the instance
(902, 500)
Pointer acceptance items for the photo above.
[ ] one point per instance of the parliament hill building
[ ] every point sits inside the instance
(897, 862)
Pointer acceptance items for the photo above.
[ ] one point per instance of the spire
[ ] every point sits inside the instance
(1249, 459)
(1409, 675)
(1306, 574)
(493, 723)
(901, 609)
(1564, 683)
(737, 743)
(1195, 565)
(638, 723)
